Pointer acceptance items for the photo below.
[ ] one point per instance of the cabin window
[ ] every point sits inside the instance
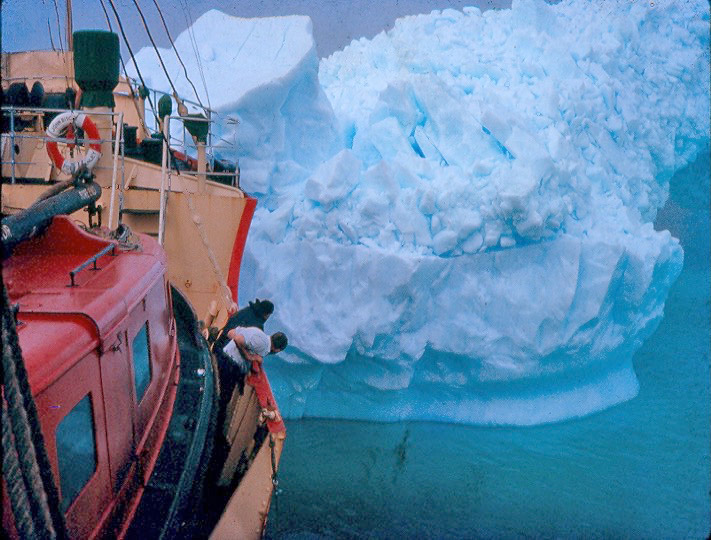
(141, 362)
(76, 450)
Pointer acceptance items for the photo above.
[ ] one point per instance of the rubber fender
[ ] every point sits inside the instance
(37, 94)
(17, 95)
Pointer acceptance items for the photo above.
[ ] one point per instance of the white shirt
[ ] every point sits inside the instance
(255, 340)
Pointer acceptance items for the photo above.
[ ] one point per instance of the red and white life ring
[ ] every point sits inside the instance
(58, 130)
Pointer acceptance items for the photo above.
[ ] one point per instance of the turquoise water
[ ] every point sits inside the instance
(638, 470)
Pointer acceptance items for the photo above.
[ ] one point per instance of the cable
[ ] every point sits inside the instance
(160, 13)
(196, 220)
(123, 66)
(155, 47)
(59, 26)
(49, 32)
(106, 14)
(189, 22)
(143, 82)
(130, 51)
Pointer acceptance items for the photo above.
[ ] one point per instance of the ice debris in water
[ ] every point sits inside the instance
(456, 217)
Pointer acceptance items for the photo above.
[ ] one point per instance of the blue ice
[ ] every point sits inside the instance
(456, 217)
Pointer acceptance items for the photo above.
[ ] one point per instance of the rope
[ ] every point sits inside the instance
(130, 51)
(28, 463)
(193, 43)
(165, 25)
(106, 15)
(125, 72)
(197, 220)
(275, 481)
(49, 33)
(59, 26)
(155, 47)
(35, 466)
(13, 478)
(140, 76)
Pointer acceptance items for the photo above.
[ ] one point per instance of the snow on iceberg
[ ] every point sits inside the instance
(466, 234)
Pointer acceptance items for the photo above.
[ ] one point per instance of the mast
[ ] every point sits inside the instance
(70, 44)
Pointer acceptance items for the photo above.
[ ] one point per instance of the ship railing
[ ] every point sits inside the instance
(157, 95)
(151, 104)
(20, 118)
(184, 141)
(187, 144)
(203, 169)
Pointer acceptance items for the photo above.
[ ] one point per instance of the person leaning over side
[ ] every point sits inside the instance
(255, 314)
(247, 347)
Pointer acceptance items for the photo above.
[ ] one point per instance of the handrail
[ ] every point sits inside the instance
(119, 137)
(209, 148)
(37, 112)
(13, 135)
(92, 259)
(33, 110)
(165, 169)
(12, 144)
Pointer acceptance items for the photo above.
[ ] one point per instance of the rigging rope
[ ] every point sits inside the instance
(59, 26)
(106, 14)
(49, 32)
(275, 480)
(227, 298)
(130, 51)
(193, 43)
(37, 499)
(197, 220)
(16, 491)
(155, 47)
(165, 25)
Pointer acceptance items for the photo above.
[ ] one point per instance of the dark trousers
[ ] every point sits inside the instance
(230, 376)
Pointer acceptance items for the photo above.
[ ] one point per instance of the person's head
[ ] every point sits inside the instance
(263, 308)
(279, 342)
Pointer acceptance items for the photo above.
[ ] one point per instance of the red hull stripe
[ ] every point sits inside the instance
(258, 379)
(238, 246)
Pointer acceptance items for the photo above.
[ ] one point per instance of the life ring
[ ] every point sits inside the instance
(58, 129)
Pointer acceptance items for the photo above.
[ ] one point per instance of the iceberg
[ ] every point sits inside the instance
(456, 218)
(262, 77)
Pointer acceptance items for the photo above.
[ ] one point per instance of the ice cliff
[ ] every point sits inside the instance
(456, 217)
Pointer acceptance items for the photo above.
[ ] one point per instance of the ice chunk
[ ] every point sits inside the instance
(459, 210)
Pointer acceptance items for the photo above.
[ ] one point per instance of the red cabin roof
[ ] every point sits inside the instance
(60, 323)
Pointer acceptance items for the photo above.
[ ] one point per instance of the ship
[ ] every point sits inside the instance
(117, 233)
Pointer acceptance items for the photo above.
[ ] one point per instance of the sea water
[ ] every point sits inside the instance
(638, 470)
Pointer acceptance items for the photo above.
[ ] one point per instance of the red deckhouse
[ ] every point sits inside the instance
(126, 398)
(102, 360)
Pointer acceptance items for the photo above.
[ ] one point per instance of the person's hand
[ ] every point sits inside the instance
(232, 309)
